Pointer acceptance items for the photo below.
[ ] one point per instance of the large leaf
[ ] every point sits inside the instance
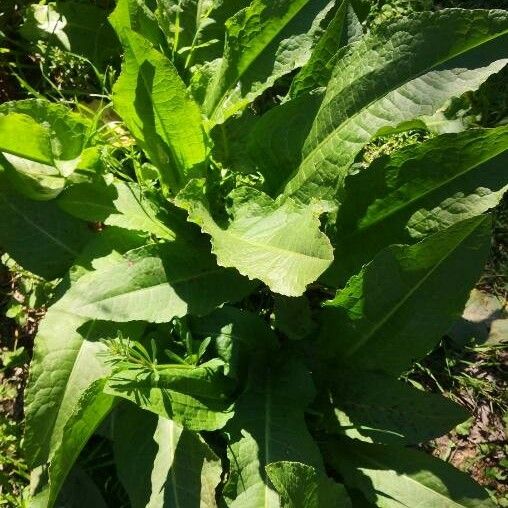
(38, 235)
(417, 191)
(119, 204)
(66, 359)
(39, 165)
(397, 308)
(265, 41)
(379, 408)
(279, 244)
(174, 467)
(386, 80)
(157, 283)
(93, 406)
(391, 477)
(152, 100)
(197, 397)
(301, 486)
(268, 426)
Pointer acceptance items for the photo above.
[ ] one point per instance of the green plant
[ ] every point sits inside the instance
(249, 287)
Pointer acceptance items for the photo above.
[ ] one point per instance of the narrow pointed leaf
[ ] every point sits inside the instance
(136, 16)
(93, 407)
(152, 100)
(398, 307)
(393, 477)
(344, 29)
(265, 41)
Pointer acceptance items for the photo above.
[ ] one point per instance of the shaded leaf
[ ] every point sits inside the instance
(173, 466)
(377, 407)
(238, 335)
(197, 397)
(120, 204)
(343, 29)
(38, 235)
(157, 283)
(395, 477)
(398, 307)
(265, 41)
(268, 426)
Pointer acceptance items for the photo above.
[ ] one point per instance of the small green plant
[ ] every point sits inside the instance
(239, 294)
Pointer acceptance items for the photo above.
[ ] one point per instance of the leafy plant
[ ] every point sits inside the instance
(238, 302)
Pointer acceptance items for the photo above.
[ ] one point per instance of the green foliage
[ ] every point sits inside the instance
(237, 297)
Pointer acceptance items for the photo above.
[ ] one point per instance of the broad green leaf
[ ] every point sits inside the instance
(264, 42)
(92, 408)
(66, 359)
(174, 467)
(301, 486)
(398, 307)
(152, 100)
(391, 477)
(157, 283)
(386, 410)
(417, 191)
(38, 235)
(197, 397)
(268, 426)
(39, 165)
(344, 29)
(120, 204)
(385, 81)
(77, 27)
(277, 243)
(237, 335)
